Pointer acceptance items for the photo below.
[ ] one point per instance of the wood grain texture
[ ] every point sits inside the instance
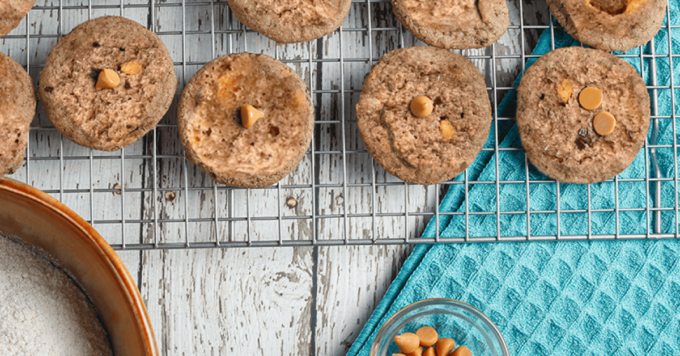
(291, 301)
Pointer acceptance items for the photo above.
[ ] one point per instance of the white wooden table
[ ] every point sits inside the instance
(269, 301)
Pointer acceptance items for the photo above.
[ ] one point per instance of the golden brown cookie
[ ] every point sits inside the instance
(239, 90)
(610, 25)
(17, 108)
(104, 117)
(12, 12)
(439, 146)
(563, 138)
(454, 23)
(289, 21)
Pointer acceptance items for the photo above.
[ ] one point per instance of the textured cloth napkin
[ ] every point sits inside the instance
(558, 298)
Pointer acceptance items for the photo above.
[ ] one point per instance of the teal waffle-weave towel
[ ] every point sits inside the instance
(557, 298)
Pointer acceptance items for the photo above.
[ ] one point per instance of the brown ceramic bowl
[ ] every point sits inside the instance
(42, 221)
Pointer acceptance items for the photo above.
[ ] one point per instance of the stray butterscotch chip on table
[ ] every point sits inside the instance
(131, 68)
(250, 115)
(604, 123)
(108, 78)
(565, 89)
(421, 106)
(590, 98)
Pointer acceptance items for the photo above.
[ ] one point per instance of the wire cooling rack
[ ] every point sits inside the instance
(147, 196)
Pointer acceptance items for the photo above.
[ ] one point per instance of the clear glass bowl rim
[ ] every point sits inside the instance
(434, 301)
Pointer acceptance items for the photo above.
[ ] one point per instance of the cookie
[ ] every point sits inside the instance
(12, 12)
(107, 118)
(454, 23)
(424, 114)
(245, 119)
(564, 103)
(289, 21)
(610, 25)
(17, 107)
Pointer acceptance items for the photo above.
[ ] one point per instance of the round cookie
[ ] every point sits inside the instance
(12, 12)
(557, 131)
(211, 128)
(416, 149)
(456, 24)
(610, 25)
(289, 21)
(17, 108)
(107, 119)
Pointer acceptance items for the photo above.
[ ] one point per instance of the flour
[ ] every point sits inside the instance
(42, 311)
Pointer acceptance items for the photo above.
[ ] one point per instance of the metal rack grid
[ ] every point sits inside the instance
(161, 198)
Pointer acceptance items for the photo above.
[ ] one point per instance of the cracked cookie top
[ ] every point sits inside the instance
(439, 146)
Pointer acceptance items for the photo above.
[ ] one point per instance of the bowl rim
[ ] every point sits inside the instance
(126, 282)
(494, 328)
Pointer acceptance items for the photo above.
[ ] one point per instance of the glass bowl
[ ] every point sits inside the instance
(463, 323)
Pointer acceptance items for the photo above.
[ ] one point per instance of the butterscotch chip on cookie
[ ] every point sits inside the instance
(454, 23)
(12, 12)
(439, 146)
(17, 107)
(577, 143)
(610, 25)
(289, 21)
(107, 83)
(245, 119)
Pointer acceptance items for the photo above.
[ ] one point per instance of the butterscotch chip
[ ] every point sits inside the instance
(446, 129)
(211, 128)
(462, 351)
(429, 352)
(17, 108)
(564, 90)
(250, 115)
(107, 119)
(415, 149)
(417, 352)
(131, 68)
(407, 342)
(604, 123)
(421, 106)
(444, 346)
(560, 140)
(428, 336)
(108, 79)
(590, 98)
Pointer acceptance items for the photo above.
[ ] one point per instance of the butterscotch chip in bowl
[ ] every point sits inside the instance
(245, 119)
(17, 108)
(439, 146)
(590, 139)
(87, 89)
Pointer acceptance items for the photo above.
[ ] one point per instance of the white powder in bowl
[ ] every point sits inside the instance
(42, 310)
